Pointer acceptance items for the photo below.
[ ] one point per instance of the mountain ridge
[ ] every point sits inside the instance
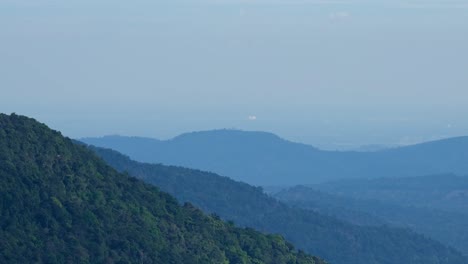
(446, 225)
(60, 203)
(266, 159)
(335, 240)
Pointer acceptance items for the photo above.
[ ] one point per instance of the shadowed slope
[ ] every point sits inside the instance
(336, 241)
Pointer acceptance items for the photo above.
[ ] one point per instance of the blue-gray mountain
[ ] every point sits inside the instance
(432, 205)
(335, 240)
(447, 192)
(265, 159)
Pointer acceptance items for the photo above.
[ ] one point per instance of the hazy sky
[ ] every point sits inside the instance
(323, 72)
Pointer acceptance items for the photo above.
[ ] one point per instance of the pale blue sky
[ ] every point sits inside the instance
(322, 72)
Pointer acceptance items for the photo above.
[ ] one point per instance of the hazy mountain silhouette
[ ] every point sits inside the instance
(337, 241)
(447, 192)
(427, 208)
(265, 159)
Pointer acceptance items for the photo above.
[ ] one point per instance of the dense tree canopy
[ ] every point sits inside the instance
(450, 228)
(336, 241)
(59, 203)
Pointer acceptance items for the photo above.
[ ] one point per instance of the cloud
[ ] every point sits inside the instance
(340, 15)
(252, 118)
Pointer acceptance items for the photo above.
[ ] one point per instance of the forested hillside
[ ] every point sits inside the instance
(62, 204)
(448, 192)
(449, 227)
(336, 241)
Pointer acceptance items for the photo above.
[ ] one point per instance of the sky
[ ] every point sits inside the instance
(335, 74)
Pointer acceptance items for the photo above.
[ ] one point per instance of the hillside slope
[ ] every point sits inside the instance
(449, 227)
(336, 241)
(446, 192)
(62, 204)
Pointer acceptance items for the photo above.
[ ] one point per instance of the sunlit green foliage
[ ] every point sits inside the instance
(59, 203)
(337, 241)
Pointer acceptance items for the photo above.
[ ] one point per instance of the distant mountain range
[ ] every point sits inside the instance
(434, 205)
(60, 203)
(446, 192)
(337, 241)
(261, 158)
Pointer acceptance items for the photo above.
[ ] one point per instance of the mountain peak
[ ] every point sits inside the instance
(229, 135)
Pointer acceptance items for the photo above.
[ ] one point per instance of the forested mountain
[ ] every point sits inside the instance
(337, 241)
(60, 203)
(264, 159)
(451, 228)
(447, 192)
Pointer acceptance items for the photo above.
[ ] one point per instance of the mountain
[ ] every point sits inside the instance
(60, 203)
(261, 158)
(337, 241)
(447, 192)
(448, 227)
